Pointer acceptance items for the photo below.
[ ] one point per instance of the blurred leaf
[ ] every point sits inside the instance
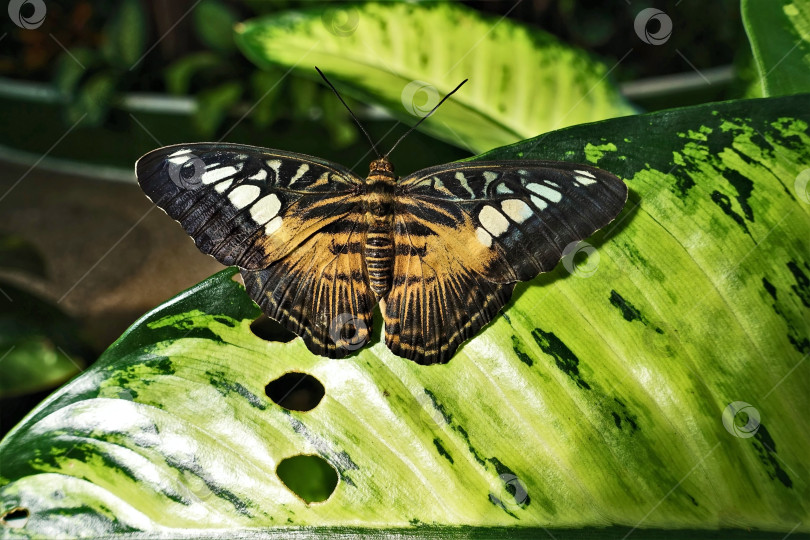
(747, 81)
(265, 90)
(779, 31)
(596, 399)
(93, 99)
(16, 253)
(180, 73)
(39, 344)
(213, 105)
(305, 95)
(342, 128)
(32, 363)
(70, 68)
(521, 81)
(214, 22)
(125, 35)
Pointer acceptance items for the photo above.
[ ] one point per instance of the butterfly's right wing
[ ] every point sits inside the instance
(295, 225)
(244, 205)
(466, 232)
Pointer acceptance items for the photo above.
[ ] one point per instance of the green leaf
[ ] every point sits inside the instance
(213, 105)
(179, 74)
(39, 344)
(125, 35)
(341, 127)
(34, 363)
(265, 90)
(521, 81)
(779, 31)
(214, 22)
(596, 399)
(305, 95)
(93, 99)
(72, 67)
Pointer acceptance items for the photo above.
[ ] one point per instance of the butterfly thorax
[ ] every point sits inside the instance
(378, 197)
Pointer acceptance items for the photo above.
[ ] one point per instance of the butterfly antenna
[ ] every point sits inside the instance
(373, 146)
(424, 117)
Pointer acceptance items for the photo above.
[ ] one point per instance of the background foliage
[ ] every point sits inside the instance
(616, 384)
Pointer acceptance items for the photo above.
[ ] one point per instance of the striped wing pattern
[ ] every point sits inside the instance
(244, 205)
(297, 227)
(320, 291)
(293, 224)
(464, 233)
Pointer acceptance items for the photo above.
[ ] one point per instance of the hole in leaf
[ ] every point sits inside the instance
(237, 277)
(296, 391)
(15, 518)
(310, 477)
(268, 329)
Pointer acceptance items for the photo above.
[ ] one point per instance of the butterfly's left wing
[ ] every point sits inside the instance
(320, 290)
(295, 225)
(245, 205)
(466, 232)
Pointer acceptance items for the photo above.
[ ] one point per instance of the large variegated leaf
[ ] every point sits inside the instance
(522, 81)
(660, 384)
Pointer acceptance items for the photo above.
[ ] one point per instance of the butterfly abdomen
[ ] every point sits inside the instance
(379, 202)
(379, 260)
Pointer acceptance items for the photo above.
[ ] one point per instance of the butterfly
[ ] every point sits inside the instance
(318, 246)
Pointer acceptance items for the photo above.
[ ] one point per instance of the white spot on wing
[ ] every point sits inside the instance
(489, 177)
(178, 160)
(483, 237)
(545, 192)
(243, 195)
(274, 164)
(493, 221)
(299, 173)
(589, 174)
(503, 189)
(463, 181)
(215, 175)
(261, 175)
(584, 180)
(517, 210)
(223, 186)
(180, 157)
(265, 208)
(539, 203)
(273, 225)
(553, 184)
